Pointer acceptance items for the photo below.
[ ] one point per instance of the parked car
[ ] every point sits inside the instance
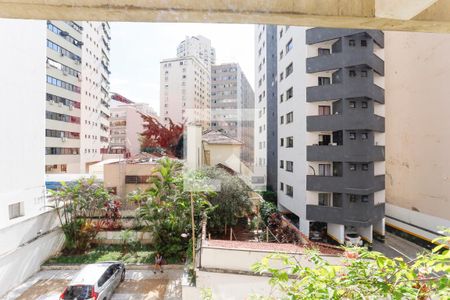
(315, 236)
(95, 282)
(353, 239)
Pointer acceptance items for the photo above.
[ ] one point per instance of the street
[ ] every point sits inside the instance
(395, 246)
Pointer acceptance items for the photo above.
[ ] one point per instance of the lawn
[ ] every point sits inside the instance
(108, 253)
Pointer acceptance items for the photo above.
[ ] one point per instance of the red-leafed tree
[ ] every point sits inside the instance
(159, 138)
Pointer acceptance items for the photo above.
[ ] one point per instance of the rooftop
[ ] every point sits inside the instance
(217, 137)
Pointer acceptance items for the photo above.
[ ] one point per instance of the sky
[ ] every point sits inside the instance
(137, 49)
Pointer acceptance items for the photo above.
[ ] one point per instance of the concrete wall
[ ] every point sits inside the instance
(22, 119)
(417, 127)
(228, 155)
(23, 250)
(243, 259)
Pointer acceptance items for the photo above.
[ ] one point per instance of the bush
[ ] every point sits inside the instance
(266, 209)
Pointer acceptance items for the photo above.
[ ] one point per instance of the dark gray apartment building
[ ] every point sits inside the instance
(232, 106)
(331, 127)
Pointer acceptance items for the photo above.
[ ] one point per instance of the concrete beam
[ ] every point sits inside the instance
(427, 15)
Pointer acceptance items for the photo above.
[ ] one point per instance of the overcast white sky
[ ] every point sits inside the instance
(137, 49)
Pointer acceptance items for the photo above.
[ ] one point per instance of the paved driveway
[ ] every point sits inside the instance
(138, 285)
(395, 246)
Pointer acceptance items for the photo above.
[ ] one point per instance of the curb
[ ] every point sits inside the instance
(128, 266)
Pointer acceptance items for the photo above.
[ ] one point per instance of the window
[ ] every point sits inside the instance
(281, 76)
(363, 43)
(363, 73)
(289, 93)
(351, 43)
(282, 120)
(324, 170)
(136, 179)
(281, 142)
(352, 104)
(364, 104)
(324, 199)
(352, 167)
(324, 80)
(281, 33)
(290, 117)
(281, 164)
(289, 166)
(289, 46)
(324, 110)
(289, 69)
(281, 54)
(353, 198)
(16, 210)
(365, 167)
(281, 98)
(289, 190)
(352, 135)
(281, 186)
(352, 73)
(323, 51)
(289, 142)
(365, 198)
(364, 136)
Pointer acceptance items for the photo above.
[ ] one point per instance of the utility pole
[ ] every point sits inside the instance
(193, 229)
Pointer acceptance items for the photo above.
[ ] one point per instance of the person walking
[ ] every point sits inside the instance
(158, 263)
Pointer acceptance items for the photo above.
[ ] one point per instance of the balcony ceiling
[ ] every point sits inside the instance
(398, 15)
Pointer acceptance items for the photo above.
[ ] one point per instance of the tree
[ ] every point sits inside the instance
(76, 204)
(364, 275)
(165, 208)
(230, 203)
(159, 138)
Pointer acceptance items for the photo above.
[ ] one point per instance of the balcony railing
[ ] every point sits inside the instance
(351, 89)
(345, 184)
(343, 153)
(345, 121)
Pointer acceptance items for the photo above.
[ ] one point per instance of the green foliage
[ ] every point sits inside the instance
(165, 208)
(266, 209)
(269, 196)
(142, 254)
(129, 241)
(364, 275)
(230, 203)
(76, 204)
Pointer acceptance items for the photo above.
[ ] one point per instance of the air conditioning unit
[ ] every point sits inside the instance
(63, 138)
(71, 107)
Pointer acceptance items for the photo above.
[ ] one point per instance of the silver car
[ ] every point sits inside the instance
(95, 282)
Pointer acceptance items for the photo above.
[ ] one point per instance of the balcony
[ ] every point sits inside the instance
(344, 59)
(342, 122)
(352, 89)
(343, 153)
(318, 35)
(345, 184)
(362, 216)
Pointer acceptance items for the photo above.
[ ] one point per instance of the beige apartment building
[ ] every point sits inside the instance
(185, 83)
(417, 130)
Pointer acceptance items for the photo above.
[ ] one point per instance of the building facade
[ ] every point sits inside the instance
(200, 47)
(232, 106)
(126, 127)
(417, 168)
(22, 188)
(265, 114)
(185, 91)
(95, 99)
(63, 98)
(331, 130)
(185, 83)
(77, 95)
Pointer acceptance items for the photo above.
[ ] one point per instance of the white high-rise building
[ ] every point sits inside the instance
(95, 99)
(77, 95)
(185, 83)
(200, 47)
